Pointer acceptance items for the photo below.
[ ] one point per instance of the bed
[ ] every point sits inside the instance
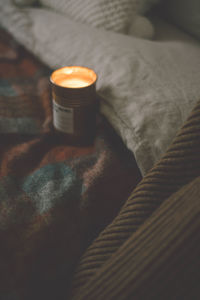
(64, 214)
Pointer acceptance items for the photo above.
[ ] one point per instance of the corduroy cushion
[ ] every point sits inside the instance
(159, 261)
(179, 166)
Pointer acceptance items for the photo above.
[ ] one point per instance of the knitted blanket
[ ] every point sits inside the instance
(54, 197)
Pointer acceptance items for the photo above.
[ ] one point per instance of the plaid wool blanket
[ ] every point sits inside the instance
(54, 198)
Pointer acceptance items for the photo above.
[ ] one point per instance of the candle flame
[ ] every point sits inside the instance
(74, 82)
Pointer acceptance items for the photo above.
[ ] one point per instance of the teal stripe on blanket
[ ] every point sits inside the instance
(51, 185)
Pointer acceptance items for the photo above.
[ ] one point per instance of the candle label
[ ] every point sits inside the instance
(63, 118)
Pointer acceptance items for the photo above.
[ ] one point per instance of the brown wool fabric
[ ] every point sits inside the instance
(159, 261)
(179, 166)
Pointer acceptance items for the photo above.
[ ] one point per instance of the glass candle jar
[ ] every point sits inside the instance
(74, 103)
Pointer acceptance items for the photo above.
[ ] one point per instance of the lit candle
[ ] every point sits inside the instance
(74, 101)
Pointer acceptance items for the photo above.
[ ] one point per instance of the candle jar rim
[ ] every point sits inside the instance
(72, 70)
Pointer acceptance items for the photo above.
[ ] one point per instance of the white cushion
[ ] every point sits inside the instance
(117, 15)
(112, 15)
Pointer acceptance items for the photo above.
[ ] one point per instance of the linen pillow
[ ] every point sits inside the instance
(185, 14)
(148, 87)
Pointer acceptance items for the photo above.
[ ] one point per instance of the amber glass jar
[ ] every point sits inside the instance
(74, 103)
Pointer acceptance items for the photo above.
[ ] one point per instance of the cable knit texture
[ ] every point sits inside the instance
(116, 15)
(110, 15)
(147, 87)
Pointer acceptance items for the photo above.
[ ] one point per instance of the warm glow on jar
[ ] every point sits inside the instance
(74, 103)
(73, 77)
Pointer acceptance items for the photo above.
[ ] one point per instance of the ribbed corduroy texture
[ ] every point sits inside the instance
(179, 166)
(159, 261)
